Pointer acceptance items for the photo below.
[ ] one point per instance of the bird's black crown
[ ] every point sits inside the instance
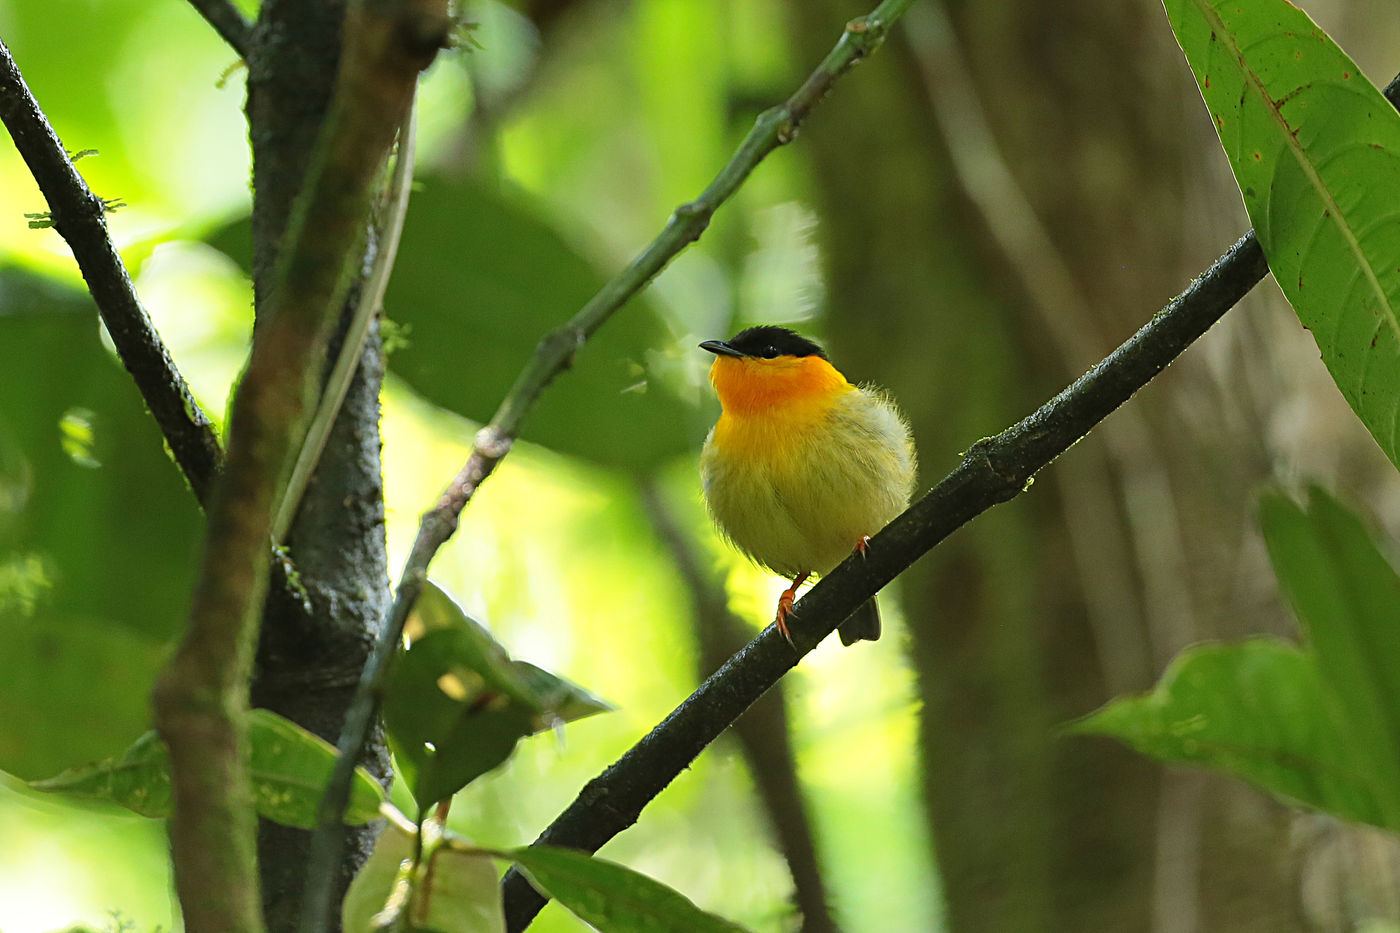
(769, 341)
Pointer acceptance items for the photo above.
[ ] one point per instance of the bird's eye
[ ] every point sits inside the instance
(770, 353)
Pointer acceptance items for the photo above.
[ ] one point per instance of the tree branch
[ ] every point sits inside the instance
(773, 128)
(994, 470)
(371, 301)
(201, 698)
(79, 216)
(228, 22)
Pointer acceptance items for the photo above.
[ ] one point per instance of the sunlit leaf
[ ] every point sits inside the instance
(474, 649)
(1257, 710)
(562, 701)
(456, 704)
(612, 897)
(1316, 151)
(289, 766)
(138, 779)
(463, 894)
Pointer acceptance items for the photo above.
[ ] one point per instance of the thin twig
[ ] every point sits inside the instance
(395, 208)
(79, 216)
(228, 22)
(994, 470)
(202, 695)
(773, 128)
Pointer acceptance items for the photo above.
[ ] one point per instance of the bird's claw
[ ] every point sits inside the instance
(785, 602)
(780, 620)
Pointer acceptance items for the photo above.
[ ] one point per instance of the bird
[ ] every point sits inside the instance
(802, 466)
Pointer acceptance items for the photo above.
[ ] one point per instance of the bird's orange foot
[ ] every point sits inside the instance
(863, 545)
(785, 602)
(780, 620)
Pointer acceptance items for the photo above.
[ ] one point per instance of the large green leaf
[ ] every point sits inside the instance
(612, 897)
(1257, 710)
(457, 704)
(98, 534)
(289, 768)
(1347, 598)
(463, 895)
(1316, 151)
(1319, 724)
(480, 279)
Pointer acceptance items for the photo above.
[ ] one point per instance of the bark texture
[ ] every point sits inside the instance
(311, 652)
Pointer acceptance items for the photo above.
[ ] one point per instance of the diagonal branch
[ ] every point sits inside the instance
(202, 696)
(228, 22)
(994, 470)
(79, 216)
(774, 127)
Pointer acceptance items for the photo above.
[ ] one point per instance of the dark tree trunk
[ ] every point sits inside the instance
(309, 662)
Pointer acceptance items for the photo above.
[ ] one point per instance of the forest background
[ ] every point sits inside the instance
(973, 217)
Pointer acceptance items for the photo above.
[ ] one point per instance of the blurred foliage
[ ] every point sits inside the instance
(483, 279)
(550, 154)
(97, 536)
(521, 214)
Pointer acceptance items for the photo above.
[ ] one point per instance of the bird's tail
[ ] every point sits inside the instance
(863, 624)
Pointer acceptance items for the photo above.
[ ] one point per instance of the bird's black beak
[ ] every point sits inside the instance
(719, 348)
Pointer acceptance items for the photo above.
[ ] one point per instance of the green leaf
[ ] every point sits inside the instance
(81, 683)
(98, 535)
(561, 700)
(1257, 710)
(1316, 151)
(290, 768)
(463, 896)
(612, 897)
(456, 704)
(480, 280)
(1347, 597)
(138, 779)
